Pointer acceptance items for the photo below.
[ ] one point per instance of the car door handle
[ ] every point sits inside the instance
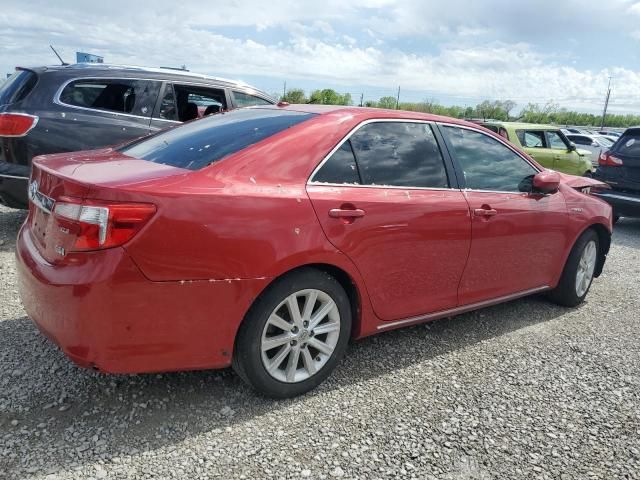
(346, 213)
(485, 212)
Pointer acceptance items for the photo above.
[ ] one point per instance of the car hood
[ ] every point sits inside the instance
(580, 183)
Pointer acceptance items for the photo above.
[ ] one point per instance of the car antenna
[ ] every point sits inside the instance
(59, 57)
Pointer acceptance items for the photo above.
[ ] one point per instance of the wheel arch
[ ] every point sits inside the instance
(604, 243)
(345, 280)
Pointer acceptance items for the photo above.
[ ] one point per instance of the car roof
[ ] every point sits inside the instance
(524, 126)
(368, 113)
(167, 74)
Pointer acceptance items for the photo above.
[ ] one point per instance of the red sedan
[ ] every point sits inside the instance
(267, 238)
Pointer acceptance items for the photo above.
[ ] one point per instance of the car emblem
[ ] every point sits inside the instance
(40, 200)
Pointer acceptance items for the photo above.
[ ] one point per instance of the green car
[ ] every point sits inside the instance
(547, 145)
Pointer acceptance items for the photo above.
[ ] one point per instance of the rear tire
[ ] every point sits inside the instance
(578, 272)
(294, 335)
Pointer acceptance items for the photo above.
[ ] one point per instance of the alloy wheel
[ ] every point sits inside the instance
(300, 336)
(586, 267)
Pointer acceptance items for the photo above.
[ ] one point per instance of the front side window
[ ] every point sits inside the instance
(182, 103)
(246, 100)
(198, 144)
(135, 97)
(555, 141)
(487, 164)
(168, 109)
(340, 168)
(399, 154)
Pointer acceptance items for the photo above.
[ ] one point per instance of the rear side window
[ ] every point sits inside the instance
(17, 86)
(136, 97)
(629, 143)
(198, 144)
(340, 167)
(399, 154)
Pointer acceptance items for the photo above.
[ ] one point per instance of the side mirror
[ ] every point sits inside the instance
(572, 147)
(546, 181)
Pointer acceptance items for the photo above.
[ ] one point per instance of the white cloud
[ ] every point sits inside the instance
(472, 53)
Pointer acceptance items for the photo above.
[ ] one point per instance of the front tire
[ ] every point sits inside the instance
(578, 272)
(294, 335)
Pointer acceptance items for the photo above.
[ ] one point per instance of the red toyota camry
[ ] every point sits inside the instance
(266, 238)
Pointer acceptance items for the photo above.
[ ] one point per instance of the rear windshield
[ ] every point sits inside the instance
(201, 142)
(17, 86)
(629, 143)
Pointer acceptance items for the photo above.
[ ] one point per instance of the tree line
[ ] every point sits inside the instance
(504, 110)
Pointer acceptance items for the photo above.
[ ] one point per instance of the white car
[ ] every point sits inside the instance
(596, 144)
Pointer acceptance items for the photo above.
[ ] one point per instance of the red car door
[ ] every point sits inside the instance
(518, 238)
(394, 213)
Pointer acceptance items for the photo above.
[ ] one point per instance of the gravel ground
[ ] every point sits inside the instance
(521, 390)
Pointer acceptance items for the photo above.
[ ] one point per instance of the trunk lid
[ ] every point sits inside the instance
(78, 176)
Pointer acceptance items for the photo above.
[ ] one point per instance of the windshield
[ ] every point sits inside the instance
(200, 143)
(604, 141)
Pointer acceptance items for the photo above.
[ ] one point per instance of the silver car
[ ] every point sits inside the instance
(596, 144)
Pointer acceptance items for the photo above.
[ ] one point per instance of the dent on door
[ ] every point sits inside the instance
(409, 245)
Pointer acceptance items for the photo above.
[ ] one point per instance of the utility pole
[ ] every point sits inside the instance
(606, 104)
(284, 89)
(361, 99)
(398, 98)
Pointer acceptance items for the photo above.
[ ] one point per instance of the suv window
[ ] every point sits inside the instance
(17, 86)
(555, 141)
(198, 144)
(399, 154)
(181, 103)
(135, 97)
(168, 105)
(246, 100)
(341, 167)
(487, 164)
(629, 143)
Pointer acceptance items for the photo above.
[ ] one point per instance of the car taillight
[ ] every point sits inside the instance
(98, 225)
(16, 124)
(608, 160)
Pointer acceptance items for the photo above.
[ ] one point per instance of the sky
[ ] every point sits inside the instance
(453, 52)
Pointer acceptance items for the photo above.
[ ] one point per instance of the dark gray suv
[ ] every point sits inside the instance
(85, 106)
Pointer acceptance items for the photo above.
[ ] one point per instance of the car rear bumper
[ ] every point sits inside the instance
(103, 313)
(624, 204)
